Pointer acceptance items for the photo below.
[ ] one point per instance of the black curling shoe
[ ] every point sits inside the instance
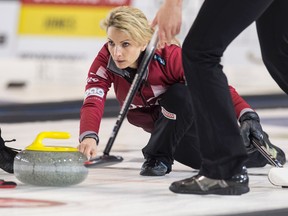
(153, 167)
(199, 184)
(7, 155)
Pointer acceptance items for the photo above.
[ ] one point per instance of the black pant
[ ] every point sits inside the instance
(218, 23)
(174, 136)
(176, 139)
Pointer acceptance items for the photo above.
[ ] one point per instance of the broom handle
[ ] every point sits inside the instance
(137, 81)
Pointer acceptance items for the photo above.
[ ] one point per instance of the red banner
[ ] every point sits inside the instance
(80, 2)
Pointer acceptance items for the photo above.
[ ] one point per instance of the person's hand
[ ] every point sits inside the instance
(169, 20)
(88, 147)
(250, 127)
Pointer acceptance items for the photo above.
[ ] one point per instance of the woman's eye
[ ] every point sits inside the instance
(125, 44)
(110, 43)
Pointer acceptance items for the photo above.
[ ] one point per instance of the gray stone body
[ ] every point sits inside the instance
(43, 168)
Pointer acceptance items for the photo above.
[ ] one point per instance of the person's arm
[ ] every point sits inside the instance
(98, 84)
(169, 20)
(248, 119)
(240, 105)
(172, 56)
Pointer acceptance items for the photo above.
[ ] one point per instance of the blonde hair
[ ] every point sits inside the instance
(132, 21)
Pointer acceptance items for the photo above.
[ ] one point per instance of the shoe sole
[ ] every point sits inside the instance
(151, 173)
(239, 190)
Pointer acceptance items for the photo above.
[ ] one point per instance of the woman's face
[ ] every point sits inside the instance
(123, 49)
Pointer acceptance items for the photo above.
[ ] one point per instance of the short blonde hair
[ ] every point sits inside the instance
(132, 21)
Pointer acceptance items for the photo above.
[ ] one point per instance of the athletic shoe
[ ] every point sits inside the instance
(7, 184)
(153, 167)
(7, 155)
(199, 184)
(275, 151)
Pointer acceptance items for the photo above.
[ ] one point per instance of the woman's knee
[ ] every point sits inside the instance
(177, 97)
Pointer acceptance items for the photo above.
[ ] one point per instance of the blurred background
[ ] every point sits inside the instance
(47, 46)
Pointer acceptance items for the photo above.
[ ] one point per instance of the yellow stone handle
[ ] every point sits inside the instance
(37, 144)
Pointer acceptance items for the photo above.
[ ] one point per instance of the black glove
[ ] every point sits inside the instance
(250, 126)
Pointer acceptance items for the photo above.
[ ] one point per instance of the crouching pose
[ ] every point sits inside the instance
(162, 106)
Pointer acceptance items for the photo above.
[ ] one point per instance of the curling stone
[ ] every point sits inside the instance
(50, 165)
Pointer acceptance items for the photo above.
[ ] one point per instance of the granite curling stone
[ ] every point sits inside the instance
(50, 165)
